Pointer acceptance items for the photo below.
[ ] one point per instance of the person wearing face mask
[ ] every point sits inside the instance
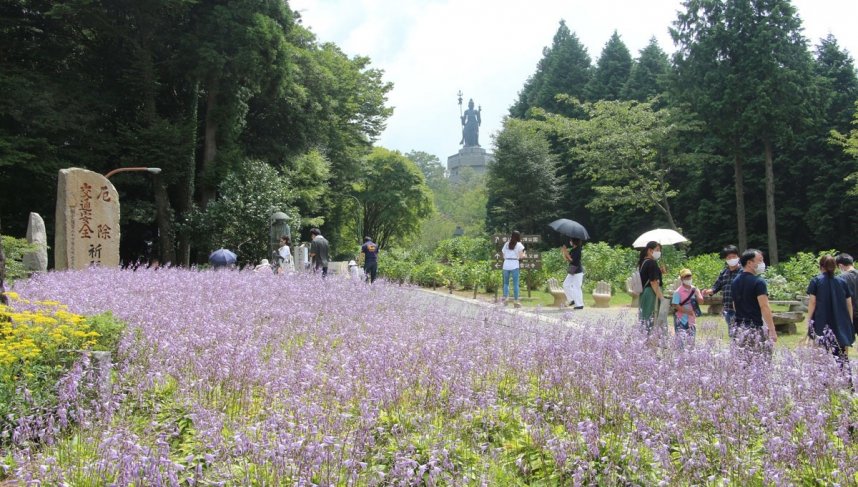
(684, 319)
(723, 284)
(829, 311)
(652, 284)
(754, 324)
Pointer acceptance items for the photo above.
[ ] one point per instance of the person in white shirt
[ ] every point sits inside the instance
(285, 253)
(513, 252)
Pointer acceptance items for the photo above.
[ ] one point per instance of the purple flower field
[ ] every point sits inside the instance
(237, 378)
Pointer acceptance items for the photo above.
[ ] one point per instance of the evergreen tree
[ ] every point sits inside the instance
(744, 67)
(836, 70)
(648, 75)
(774, 80)
(564, 69)
(522, 184)
(612, 71)
(819, 169)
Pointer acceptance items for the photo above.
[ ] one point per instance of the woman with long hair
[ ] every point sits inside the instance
(513, 252)
(652, 284)
(574, 282)
(829, 310)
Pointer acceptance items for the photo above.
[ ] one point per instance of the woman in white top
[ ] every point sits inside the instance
(285, 253)
(512, 251)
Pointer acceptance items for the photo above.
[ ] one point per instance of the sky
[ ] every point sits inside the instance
(432, 49)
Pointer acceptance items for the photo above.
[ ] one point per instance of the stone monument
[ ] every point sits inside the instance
(87, 221)
(471, 154)
(37, 260)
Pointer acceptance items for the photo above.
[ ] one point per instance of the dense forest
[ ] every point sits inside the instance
(735, 138)
(730, 140)
(237, 102)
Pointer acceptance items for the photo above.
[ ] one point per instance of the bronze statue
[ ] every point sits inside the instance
(471, 125)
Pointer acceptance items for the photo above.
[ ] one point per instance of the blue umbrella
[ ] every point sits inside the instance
(222, 257)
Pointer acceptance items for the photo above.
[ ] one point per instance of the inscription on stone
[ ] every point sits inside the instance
(87, 230)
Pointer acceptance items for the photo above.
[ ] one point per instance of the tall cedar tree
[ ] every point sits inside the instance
(648, 75)
(564, 69)
(522, 185)
(612, 71)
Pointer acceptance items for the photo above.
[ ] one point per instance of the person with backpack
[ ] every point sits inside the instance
(651, 279)
(686, 301)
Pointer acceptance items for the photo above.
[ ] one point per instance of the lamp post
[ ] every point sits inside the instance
(151, 170)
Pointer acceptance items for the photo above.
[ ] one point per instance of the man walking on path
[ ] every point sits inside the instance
(369, 249)
(754, 322)
(319, 252)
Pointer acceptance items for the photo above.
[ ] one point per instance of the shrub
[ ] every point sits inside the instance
(490, 278)
(467, 275)
(463, 249)
(605, 263)
(431, 274)
(706, 268)
(15, 248)
(39, 341)
(797, 271)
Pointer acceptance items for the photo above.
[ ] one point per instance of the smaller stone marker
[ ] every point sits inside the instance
(37, 260)
(87, 221)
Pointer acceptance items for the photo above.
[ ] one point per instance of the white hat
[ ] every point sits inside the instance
(352, 263)
(264, 262)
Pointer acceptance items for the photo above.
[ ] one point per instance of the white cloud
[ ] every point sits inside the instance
(487, 49)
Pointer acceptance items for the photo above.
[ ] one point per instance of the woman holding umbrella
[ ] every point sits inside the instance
(652, 283)
(574, 281)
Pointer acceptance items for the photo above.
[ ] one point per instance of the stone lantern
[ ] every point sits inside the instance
(279, 228)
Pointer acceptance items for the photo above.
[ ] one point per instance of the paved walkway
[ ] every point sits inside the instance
(475, 308)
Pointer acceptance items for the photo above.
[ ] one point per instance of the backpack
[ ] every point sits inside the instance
(636, 283)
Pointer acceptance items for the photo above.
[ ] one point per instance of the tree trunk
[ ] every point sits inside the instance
(770, 204)
(165, 223)
(741, 226)
(3, 299)
(186, 188)
(665, 206)
(207, 193)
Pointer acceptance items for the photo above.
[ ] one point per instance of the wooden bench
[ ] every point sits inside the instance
(602, 295)
(557, 293)
(785, 321)
(636, 297)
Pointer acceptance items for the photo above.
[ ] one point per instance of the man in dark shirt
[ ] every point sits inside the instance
(850, 275)
(319, 251)
(751, 302)
(370, 259)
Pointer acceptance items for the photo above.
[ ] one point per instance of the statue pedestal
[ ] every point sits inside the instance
(474, 157)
